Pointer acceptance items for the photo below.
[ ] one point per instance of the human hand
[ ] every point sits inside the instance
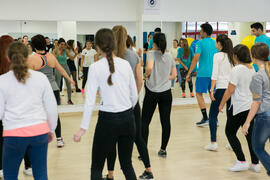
(78, 135)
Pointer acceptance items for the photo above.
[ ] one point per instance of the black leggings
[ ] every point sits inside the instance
(27, 162)
(120, 130)
(58, 127)
(164, 102)
(232, 126)
(85, 75)
(183, 73)
(141, 146)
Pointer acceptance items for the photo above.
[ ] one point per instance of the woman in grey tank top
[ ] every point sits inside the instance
(45, 63)
(160, 69)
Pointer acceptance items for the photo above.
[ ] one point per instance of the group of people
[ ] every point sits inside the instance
(29, 95)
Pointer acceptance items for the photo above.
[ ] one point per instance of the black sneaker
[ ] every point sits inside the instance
(78, 90)
(162, 153)
(106, 178)
(146, 176)
(70, 102)
(140, 158)
(203, 122)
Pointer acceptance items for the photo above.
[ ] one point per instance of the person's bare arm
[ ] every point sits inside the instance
(149, 68)
(228, 93)
(62, 71)
(173, 73)
(193, 65)
(139, 78)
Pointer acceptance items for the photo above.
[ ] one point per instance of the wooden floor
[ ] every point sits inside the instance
(187, 160)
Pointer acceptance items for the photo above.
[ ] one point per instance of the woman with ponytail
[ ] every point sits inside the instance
(222, 67)
(121, 50)
(260, 88)
(160, 70)
(29, 113)
(5, 41)
(114, 77)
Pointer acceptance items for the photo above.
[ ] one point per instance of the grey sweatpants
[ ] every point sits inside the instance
(58, 77)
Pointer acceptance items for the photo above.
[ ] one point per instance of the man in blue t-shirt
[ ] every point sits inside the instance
(257, 30)
(204, 53)
(150, 46)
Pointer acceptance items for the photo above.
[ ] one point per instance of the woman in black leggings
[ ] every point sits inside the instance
(158, 89)
(122, 51)
(116, 123)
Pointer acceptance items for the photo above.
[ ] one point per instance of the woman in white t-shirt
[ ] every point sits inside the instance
(173, 51)
(241, 100)
(88, 58)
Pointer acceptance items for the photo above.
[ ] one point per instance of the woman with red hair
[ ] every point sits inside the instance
(5, 41)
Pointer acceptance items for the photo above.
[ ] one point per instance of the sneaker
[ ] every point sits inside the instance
(228, 146)
(162, 153)
(203, 122)
(146, 176)
(60, 142)
(183, 95)
(239, 166)
(106, 178)
(172, 88)
(78, 90)
(255, 168)
(82, 91)
(191, 95)
(28, 171)
(140, 158)
(70, 102)
(211, 147)
(1, 174)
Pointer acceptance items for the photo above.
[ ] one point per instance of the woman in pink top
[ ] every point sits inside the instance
(28, 111)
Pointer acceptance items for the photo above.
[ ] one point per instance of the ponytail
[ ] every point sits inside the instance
(160, 40)
(105, 41)
(18, 54)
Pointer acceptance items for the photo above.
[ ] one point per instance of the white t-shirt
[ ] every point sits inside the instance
(173, 51)
(221, 70)
(89, 57)
(241, 77)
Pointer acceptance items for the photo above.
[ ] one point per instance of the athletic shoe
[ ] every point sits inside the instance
(255, 168)
(172, 88)
(82, 91)
(203, 122)
(140, 158)
(191, 95)
(239, 166)
(146, 176)
(70, 102)
(1, 174)
(106, 178)
(211, 147)
(228, 146)
(60, 142)
(28, 171)
(78, 90)
(162, 153)
(183, 95)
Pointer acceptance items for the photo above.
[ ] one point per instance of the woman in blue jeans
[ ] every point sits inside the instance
(222, 66)
(260, 88)
(28, 111)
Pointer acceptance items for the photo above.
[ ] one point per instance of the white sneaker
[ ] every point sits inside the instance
(239, 166)
(60, 142)
(211, 147)
(255, 168)
(28, 172)
(1, 174)
(229, 147)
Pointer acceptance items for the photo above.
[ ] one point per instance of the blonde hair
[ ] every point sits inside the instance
(120, 34)
(18, 53)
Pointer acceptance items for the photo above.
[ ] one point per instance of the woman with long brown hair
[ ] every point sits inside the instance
(185, 55)
(114, 77)
(29, 113)
(120, 34)
(5, 41)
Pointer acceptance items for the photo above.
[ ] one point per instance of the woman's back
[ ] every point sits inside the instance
(159, 78)
(24, 103)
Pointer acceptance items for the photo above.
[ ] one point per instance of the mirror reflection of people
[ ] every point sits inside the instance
(25, 40)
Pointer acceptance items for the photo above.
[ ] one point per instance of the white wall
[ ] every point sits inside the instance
(69, 10)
